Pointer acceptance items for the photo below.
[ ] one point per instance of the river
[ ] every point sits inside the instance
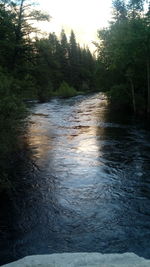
(82, 182)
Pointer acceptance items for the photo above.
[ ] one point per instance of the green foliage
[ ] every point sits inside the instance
(120, 10)
(124, 54)
(65, 90)
(120, 95)
(7, 36)
(45, 93)
(58, 60)
(11, 108)
(5, 83)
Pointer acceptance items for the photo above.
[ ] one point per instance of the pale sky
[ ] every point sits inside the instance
(85, 17)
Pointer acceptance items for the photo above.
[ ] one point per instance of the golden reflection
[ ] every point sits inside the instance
(39, 141)
(89, 136)
(89, 141)
(82, 135)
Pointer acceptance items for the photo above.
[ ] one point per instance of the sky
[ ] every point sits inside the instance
(85, 17)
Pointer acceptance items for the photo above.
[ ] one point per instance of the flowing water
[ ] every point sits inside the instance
(82, 183)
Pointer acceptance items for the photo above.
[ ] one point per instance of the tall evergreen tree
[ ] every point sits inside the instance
(73, 61)
(24, 14)
(64, 56)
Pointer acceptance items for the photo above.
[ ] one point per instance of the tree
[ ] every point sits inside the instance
(17, 50)
(64, 55)
(120, 10)
(124, 51)
(73, 62)
(24, 15)
(136, 5)
(7, 36)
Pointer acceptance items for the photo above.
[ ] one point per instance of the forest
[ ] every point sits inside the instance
(74, 133)
(35, 67)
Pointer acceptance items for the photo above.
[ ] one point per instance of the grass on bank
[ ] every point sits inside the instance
(65, 91)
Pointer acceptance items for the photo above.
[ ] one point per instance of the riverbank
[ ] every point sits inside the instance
(82, 259)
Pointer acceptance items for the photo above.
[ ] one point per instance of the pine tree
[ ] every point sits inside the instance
(64, 56)
(73, 63)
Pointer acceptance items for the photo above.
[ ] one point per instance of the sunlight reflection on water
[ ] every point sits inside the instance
(91, 189)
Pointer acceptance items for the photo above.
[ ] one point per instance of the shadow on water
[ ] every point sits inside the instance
(81, 183)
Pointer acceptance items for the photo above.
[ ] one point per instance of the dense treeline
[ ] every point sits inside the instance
(32, 67)
(38, 68)
(124, 56)
(60, 62)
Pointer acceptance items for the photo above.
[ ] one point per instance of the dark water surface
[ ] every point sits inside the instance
(82, 183)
